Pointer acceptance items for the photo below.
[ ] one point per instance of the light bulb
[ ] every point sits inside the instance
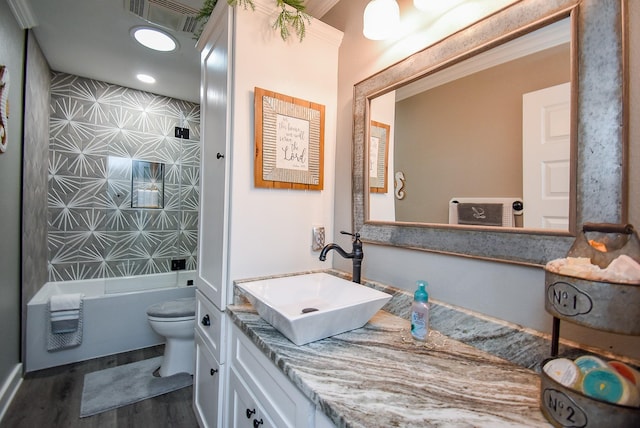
(381, 18)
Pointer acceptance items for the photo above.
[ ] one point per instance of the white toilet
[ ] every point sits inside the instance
(175, 320)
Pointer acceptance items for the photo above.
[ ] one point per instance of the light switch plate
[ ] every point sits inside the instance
(317, 241)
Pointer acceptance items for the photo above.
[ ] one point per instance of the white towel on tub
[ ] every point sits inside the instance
(64, 326)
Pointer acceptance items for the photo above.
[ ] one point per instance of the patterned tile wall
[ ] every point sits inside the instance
(96, 130)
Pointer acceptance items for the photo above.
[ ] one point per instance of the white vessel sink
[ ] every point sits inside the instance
(310, 307)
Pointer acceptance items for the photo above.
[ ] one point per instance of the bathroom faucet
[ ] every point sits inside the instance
(356, 254)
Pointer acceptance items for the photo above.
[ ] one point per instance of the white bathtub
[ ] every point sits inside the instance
(115, 318)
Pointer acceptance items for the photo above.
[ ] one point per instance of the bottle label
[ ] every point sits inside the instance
(418, 325)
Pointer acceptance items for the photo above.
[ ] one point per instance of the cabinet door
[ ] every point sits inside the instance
(243, 410)
(283, 401)
(210, 324)
(212, 246)
(207, 388)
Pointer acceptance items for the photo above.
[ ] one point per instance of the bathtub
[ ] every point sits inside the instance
(115, 318)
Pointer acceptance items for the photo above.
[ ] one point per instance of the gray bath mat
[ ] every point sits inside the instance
(127, 384)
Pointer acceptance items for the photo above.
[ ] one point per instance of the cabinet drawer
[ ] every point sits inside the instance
(244, 410)
(273, 390)
(210, 322)
(207, 387)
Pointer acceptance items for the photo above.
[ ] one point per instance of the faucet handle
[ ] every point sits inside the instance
(355, 235)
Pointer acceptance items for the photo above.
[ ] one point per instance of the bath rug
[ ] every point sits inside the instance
(127, 384)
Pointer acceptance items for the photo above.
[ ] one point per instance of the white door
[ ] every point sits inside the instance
(212, 254)
(546, 130)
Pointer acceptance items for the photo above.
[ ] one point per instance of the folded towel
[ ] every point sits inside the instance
(484, 214)
(65, 315)
(64, 326)
(62, 302)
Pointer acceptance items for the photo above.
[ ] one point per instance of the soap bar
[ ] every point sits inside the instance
(586, 363)
(564, 371)
(628, 372)
(607, 385)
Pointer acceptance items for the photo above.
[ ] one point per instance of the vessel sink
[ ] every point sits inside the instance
(310, 307)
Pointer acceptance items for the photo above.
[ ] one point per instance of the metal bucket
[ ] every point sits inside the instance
(566, 407)
(606, 306)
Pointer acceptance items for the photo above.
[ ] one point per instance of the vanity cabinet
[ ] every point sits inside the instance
(256, 385)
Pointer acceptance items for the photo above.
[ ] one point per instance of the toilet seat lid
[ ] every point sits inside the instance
(185, 307)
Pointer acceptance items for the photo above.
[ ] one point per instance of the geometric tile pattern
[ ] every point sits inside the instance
(96, 130)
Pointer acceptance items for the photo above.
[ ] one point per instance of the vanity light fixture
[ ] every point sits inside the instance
(381, 19)
(155, 39)
(146, 78)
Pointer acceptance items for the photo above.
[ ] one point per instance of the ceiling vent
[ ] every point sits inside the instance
(169, 14)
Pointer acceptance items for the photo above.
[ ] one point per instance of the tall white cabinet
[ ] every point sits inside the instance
(246, 231)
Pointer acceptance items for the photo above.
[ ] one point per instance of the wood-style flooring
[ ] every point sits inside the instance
(51, 398)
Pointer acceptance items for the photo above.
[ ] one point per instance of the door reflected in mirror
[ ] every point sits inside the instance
(484, 142)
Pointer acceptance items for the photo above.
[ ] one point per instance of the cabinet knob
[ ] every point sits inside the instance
(250, 412)
(206, 321)
(213, 371)
(257, 423)
(219, 155)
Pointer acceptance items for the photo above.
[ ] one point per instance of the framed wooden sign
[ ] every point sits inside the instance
(289, 142)
(378, 156)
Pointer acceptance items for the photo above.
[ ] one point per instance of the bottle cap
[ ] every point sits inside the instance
(421, 294)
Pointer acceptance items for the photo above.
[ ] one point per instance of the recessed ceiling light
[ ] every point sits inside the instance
(146, 78)
(154, 39)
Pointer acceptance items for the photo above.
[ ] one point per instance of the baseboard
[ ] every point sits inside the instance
(9, 389)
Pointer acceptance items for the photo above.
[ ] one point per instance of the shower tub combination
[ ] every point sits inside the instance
(114, 316)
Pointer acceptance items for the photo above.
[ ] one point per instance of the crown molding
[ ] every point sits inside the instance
(23, 13)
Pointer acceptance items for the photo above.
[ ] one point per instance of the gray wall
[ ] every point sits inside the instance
(36, 155)
(12, 55)
(96, 129)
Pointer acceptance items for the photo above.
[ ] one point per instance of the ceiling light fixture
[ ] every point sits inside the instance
(155, 39)
(146, 78)
(381, 19)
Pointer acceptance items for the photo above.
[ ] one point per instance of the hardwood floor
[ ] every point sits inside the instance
(50, 398)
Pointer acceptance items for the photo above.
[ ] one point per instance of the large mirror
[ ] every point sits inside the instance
(448, 169)
(456, 139)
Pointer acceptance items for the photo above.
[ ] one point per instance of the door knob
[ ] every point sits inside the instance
(219, 155)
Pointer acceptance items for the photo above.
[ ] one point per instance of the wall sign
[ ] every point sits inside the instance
(289, 138)
(4, 106)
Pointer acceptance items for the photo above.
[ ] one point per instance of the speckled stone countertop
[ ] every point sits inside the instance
(471, 372)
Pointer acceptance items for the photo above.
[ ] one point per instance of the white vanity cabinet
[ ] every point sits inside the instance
(262, 396)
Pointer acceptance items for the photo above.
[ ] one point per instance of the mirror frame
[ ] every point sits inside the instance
(598, 173)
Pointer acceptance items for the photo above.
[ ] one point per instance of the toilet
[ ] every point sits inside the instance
(175, 320)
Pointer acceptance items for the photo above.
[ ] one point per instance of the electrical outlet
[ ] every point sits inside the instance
(317, 241)
(182, 133)
(178, 264)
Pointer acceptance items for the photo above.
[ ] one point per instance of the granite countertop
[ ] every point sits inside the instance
(379, 376)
